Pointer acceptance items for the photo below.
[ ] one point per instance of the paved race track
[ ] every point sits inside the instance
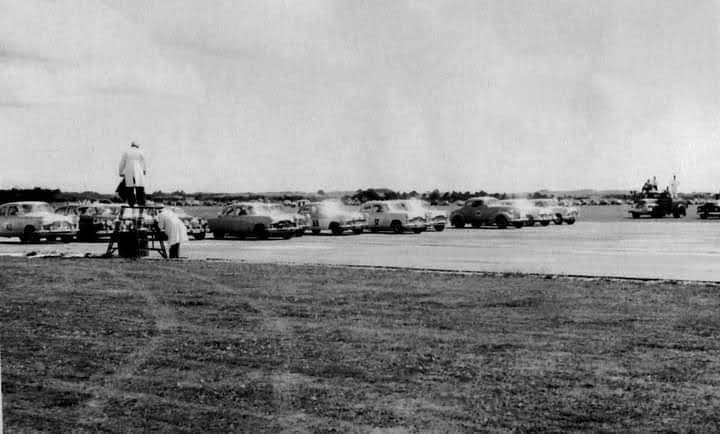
(687, 249)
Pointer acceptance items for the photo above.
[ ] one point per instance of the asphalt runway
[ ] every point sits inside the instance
(685, 249)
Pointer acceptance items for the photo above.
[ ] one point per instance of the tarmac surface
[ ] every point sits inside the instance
(685, 249)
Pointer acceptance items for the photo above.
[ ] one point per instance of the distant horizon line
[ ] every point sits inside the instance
(330, 192)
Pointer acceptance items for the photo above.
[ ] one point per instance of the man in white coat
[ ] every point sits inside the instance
(175, 230)
(133, 170)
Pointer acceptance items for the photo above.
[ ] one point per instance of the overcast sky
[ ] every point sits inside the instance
(302, 95)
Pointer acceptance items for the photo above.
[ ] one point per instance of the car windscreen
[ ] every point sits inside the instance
(36, 207)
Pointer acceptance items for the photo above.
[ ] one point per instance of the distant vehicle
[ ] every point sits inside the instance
(255, 219)
(561, 213)
(533, 214)
(616, 202)
(32, 221)
(710, 208)
(656, 205)
(196, 226)
(393, 215)
(485, 210)
(333, 216)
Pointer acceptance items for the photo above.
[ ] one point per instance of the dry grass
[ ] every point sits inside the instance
(93, 345)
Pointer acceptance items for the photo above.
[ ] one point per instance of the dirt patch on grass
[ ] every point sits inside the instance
(193, 346)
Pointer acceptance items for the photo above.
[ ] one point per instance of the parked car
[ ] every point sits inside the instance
(560, 213)
(435, 218)
(196, 226)
(485, 210)
(255, 219)
(710, 208)
(533, 214)
(393, 215)
(333, 216)
(32, 221)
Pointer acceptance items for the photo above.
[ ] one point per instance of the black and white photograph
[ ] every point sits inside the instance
(359, 216)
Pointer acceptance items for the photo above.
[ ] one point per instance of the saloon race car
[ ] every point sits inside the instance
(561, 213)
(534, 214)
(435, 218)
(333, 216)
(32, 221)
(485, 210)
(255, 219)
(393, 215)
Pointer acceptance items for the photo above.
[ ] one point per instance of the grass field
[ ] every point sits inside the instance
(116, 345)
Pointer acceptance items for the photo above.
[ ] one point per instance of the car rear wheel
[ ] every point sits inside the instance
(439, 228)
(336, 229)
(261, 232)
(287, 236)
(396, 227)
(501, 222)
(703, 216)
(29, 235)
(458, 222)
(570, 221)
(558, 219)
(518, 225)
(635, 215)
(357, 231)
(530, 221)
(545, 222)
(316, 231)
(418, 230)
(219, 235)
(199, 236)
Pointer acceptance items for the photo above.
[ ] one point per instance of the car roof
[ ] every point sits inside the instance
(27, 202)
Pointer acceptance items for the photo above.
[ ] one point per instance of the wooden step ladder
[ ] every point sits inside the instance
(133, 237)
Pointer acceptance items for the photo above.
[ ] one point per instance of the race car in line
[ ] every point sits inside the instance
(435, 218)
(333, 216)
(253, 219)
(32, 221)
(534, 214)
(485, 211)
(561, 213)
(394, 216)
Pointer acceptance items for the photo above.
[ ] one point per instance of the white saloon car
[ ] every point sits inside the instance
(393, 215)
(31, 221)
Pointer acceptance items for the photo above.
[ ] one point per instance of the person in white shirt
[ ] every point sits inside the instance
(674, 187)
(174, 229)
(133, 170)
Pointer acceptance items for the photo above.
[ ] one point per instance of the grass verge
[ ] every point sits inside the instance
(115, 345)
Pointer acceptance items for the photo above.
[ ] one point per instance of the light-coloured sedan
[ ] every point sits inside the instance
(32, 221)
(333, 216)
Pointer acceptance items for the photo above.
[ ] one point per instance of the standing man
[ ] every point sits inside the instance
(674, 187)
(175, 230)
(132, 169)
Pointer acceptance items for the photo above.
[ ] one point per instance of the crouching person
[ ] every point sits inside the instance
(174, 229)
